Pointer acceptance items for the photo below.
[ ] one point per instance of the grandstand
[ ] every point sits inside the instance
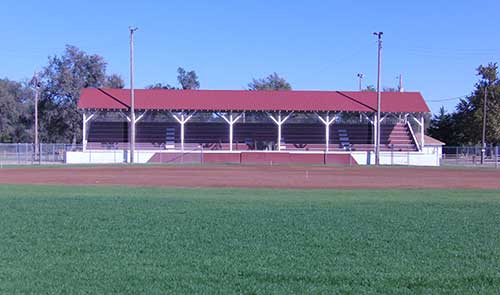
(262, 122)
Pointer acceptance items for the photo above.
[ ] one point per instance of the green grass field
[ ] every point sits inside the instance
(116, 240)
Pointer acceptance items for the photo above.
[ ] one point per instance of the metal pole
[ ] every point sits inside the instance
(231, 131)
(132, 96)
(377, 145)
(36, 85)
(360, 76)
(182, 132)
(496, 157)
(327, 134)
(279, 131)
(485, 108)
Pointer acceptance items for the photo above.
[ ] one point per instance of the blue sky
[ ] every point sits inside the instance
(436, 45)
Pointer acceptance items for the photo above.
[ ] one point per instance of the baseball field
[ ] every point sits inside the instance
(249, 230)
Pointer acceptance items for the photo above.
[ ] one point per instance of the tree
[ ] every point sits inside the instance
(187, 81)
(271, 82)
(390, 89)
(469, 113)
(160, 86)
(114, 81)
(370, 88)
(15, 111)
(61, 82)
(442, 127)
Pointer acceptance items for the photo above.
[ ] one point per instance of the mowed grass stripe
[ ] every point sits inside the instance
(116, 240)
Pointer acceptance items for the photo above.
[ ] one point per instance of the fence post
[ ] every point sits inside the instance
(408, 158)
(496, 157)
(392, 154)
(201, 154)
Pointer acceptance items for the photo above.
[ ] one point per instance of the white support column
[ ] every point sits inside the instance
(375, 131)
(84, 132)
(327, 121)
(231, 120)
(422, 127)
(84, 129)
(124, 116)
(182, 120)
(140, 116)
(279, 121)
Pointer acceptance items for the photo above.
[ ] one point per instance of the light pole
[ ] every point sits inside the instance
(132, 95)
(36, 86)
(377, 140)
(485, 109)
(360, 76)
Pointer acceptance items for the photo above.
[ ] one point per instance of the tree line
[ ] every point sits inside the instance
(59, 84)
(60, 81)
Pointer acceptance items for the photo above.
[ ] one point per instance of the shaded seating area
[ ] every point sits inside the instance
(250, 136)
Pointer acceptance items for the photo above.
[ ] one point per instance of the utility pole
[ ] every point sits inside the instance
(132, 95)
(485, 109)
(400, 84)
(360, 76)
(36, 86)
(377, 140)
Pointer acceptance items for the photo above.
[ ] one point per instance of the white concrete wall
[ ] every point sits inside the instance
(431, 156)
(398, 158)
(107, 157)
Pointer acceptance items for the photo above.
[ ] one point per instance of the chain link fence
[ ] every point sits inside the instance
(28, 154)
(470, 156)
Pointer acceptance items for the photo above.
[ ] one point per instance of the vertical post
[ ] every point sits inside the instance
(84, 132)
(377, 145)
(231, 122)
(422, 132)
(279, 131)
(132, 96)
(36, 113)
(360, 76)
(327, 135)
(182, 132)
(485, 108)
(496, 157)
(375, 132)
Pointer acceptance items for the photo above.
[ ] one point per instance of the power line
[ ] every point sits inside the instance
(447, 99)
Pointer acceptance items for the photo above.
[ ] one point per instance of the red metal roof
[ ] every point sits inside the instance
(245, 100)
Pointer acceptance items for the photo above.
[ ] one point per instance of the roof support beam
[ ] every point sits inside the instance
(124, 115)
(279, 120)
(182, 118)
(85, 120)
(140, 116)
(421, 123)
(230, 120)
(327, 121)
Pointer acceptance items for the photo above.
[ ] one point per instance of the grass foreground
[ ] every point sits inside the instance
(117, 240)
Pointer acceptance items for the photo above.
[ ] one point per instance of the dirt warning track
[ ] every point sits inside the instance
(297, 177)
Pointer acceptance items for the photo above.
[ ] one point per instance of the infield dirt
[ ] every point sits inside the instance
(296, 177)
